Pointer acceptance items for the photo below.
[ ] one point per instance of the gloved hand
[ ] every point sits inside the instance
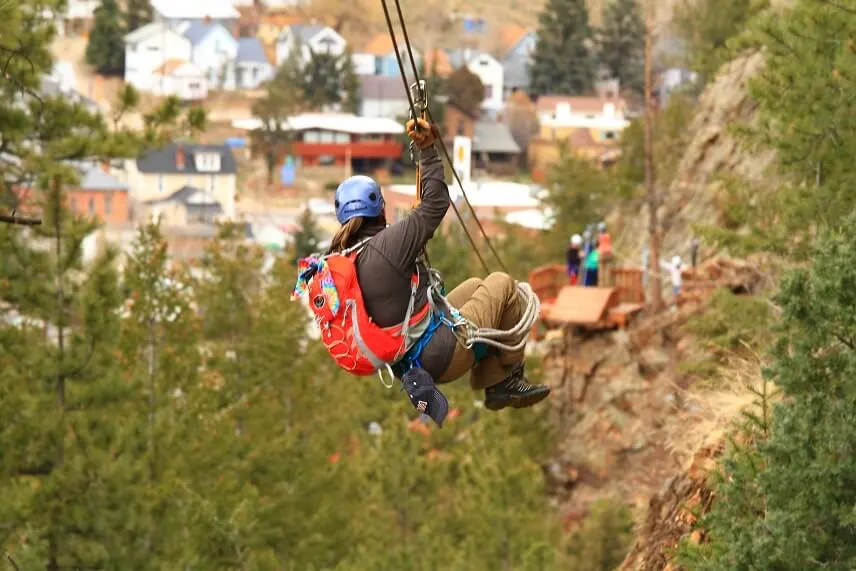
(425, 135)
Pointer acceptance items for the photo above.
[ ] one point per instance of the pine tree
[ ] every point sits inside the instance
(786, 501)
(603, 540)
(105, 50)
(351, 99)
(160, 361)
(806, 59)
(325, 78)
(621, 43)
(306, 239)
(707, 26)
(563, 62)
(138, 13)
(74, 494)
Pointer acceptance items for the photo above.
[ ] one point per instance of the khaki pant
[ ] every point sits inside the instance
(493, 302)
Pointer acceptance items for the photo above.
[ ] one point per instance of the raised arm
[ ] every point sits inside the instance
(403, 241)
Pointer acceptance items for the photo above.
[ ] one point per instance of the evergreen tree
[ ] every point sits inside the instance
(306, 239)
(563, 62)
(351, 102)
(603, 540)
(160, 361)
(323, 79)
(621, 43)
(807, 60)
(105, 50)
(138, 13)
(465, 89)
(786, 502)
(707, 26)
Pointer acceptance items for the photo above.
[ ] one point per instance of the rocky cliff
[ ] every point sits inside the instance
(712, 152)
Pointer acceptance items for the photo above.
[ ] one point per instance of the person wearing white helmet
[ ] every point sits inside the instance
(675, 267)
(573, 259)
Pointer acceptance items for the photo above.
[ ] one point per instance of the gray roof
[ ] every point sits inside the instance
(94, 178)
(162, 160)
(188, 195)
(493, 137)
(380, 87)
(197, 31)
(51, 88)
(305, 32)
(515, 72)
(251, 50)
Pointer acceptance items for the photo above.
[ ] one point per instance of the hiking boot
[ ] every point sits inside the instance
(515, 391)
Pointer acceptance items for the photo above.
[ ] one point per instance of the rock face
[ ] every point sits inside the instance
(712, 152)
(671, 515)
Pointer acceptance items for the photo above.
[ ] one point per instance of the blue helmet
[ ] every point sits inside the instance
(358, 196)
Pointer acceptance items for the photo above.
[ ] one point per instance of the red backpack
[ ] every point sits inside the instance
(354, 341)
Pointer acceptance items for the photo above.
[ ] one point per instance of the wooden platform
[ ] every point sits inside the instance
(576, 305)
(623, 313)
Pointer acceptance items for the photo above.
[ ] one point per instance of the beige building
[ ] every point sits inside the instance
(183, 183)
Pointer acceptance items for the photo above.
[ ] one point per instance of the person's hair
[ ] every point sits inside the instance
(346, 236)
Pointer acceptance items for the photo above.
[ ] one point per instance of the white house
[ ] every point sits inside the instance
(180, 78)
(308, 38)
(252, 67)
(492, 76)
(149, 48)
(488, 69)
(214, 52)
(560, 113)
(176, 13)
(364, 63)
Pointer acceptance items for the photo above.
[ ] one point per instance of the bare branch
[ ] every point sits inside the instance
(12, 562)
(20, 221)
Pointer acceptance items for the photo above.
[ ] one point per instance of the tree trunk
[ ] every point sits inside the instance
(656, 291)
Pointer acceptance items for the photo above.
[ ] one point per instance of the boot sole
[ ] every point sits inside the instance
(530, 399)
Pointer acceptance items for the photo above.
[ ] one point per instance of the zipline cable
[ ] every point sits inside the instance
(439, 139)
(413, 111)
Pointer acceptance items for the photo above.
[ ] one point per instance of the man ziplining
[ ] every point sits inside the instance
(381, 308)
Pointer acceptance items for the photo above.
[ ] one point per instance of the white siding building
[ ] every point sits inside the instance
(149, 48)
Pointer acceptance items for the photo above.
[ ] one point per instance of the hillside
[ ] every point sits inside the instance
(712, 153)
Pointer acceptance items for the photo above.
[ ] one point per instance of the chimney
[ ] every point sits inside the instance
(179, 157)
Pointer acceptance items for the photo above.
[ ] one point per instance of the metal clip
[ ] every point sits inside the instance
(419, 96)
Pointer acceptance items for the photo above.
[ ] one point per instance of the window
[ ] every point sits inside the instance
(207, 162)
(343, 138)
(488, 91)
(378, 65)
(211, 184)
(328, 137)
(312, 137)
(461, 130)
(194, 85)
(326, 160)
(254, 73)
(153, 48)
(160, 183)
(108, 204)
(91, 206)
(483, 62)
(609, 135)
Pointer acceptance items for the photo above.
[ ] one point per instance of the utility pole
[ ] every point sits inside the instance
(654, 281)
